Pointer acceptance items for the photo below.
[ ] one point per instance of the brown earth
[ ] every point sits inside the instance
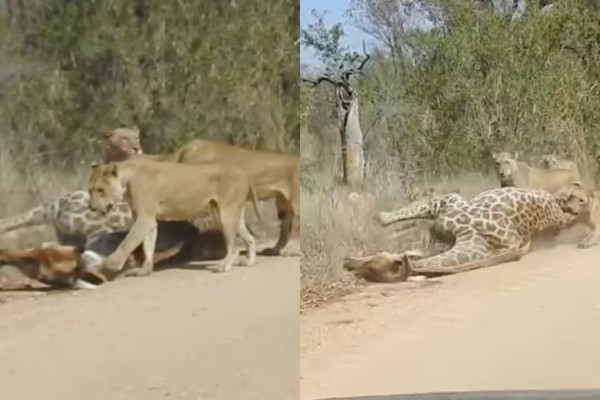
(178, 334)
(531, 324)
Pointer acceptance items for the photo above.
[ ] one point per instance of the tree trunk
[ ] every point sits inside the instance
(352, 143)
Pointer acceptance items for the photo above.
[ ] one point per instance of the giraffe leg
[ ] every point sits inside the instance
(467, 255)
(431, 209)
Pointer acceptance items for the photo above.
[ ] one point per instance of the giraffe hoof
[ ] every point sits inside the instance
(414, 254)
(83, 285)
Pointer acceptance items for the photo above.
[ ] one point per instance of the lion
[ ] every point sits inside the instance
(172, 191)
(519, 174)
(584, 202)
(553, 162)
(273, 174)
(494, 227)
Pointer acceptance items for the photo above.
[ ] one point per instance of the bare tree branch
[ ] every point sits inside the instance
(348, 119)
(319, 80)
(344, 75)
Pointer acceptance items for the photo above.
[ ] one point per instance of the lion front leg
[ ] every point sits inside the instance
(140, 229)
(591, 239)
(148, 247)
(248, 240)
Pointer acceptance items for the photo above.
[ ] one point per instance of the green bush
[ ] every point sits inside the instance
(483, 83)
(178, 70)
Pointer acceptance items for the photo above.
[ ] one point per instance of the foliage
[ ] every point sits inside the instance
(325, 41)
(483, 83)
(178, 70)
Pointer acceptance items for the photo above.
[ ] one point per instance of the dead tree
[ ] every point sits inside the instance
(348, 120)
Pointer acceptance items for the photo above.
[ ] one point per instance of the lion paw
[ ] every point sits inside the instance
(243, 263)
(384, 218)
(112, 264)
(136, 272)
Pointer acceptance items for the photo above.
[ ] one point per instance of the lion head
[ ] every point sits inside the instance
(123, 143)
(105, 188)
(506, 167)
(550, 161)
(577, 200)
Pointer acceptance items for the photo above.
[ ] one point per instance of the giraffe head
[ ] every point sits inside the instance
(382, 267)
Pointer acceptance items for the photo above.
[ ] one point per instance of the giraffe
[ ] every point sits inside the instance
(494, 227)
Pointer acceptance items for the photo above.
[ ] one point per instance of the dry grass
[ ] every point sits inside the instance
(22, 190)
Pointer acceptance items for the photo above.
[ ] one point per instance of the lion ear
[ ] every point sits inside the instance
(94, 166)
(577, 184)
(136, 130)
(516, 155)
(105, 135)
(112, 169)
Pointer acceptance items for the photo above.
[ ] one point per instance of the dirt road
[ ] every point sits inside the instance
(532, 324)
(177, 334)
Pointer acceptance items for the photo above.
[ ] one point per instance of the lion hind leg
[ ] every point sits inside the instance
(285, 213)
(248, 240)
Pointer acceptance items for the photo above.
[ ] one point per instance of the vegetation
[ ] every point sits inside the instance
(437, 102)
(178, 70)
(70, 70)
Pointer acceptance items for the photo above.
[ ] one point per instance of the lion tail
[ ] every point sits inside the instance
(252, 197)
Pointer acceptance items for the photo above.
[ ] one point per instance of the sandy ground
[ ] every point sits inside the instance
(531, 324)
(177, 334)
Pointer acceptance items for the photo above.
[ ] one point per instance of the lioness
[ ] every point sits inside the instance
(164, 190)
(516, 173)
(273, 174)
(583, 202)
(553, 162)
(122, 143)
